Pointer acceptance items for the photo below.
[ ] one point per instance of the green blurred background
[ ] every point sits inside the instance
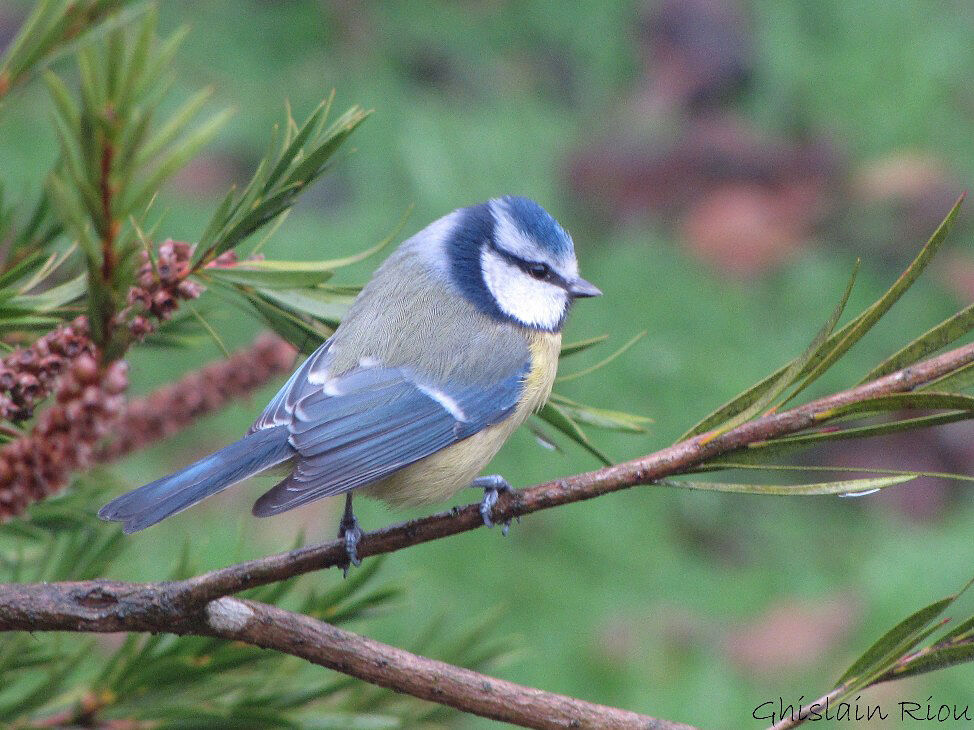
(720, 166)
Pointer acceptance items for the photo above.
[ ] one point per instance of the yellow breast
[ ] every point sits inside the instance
(439, 476)
(545, 347)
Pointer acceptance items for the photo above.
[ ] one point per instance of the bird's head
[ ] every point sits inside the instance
(515, 262)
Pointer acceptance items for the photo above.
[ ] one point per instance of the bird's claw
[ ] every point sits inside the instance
(351, 533)
(492, 485)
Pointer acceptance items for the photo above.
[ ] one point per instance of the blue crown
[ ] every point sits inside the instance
(536, 223)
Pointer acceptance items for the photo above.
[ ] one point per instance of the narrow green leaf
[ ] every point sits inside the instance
(859, 432)
(934, 339)
(295, 145)
(63, 103)
(217, 222)
(794, 370)
(24, 267)
(573, 348)
(874, 313)
(602, 417)
(160, 61)
(960, 379)
(602, 363)
(29, 36)
(173, 161)
(114, 52)
(75, 168)
(137, 59)
(322, 304)
(964, 631)
(259, 212)
(30, 324)
(541, 436)
(902, 401)
(311, 166)
(57, 46)
(92, 84)
(251, 274)
(895, 642)
(344, 261)
(849, 487)
(131, 140)
(53, 298)
(251, 195)
(736, 404)
(755, 399)
(71, 212)
(47, 270)
(934, 660)
(210, 331)
(720, 465)
(555, 416)
(173, 128)
(303, 334)
(270, 232)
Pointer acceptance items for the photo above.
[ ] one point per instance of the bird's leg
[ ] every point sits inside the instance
(492, 485)
(351, 533)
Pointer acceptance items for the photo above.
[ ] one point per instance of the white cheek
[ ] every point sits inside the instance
(532, 302)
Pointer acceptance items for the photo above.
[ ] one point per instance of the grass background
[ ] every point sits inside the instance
(634, 599)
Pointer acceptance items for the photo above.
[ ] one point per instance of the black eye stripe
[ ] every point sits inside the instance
(539, 271)
(550, 274)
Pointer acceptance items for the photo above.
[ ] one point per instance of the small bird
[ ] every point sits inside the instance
(445, 352)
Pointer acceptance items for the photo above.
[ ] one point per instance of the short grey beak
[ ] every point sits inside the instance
(581, 288)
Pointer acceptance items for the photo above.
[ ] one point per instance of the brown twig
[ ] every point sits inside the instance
(111, 225)
(675, 459)
(178, 606)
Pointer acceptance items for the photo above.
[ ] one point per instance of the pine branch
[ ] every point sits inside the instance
(49, 32)
(89, 389)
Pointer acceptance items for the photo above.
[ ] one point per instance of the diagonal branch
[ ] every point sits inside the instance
(676, 459)
(189, 606)
(107, 607)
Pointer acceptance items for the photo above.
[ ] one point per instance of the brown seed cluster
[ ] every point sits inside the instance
(160, 285)
(89, 399)
(89, 396)
(176, 406)
(27, 375)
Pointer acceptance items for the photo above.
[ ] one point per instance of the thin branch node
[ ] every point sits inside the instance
(228, 614)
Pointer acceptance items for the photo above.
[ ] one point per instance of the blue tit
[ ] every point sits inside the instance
(446, 351)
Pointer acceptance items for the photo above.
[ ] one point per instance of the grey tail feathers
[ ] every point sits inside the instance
(157, 500)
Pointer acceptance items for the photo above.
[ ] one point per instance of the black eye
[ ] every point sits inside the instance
(539, 271)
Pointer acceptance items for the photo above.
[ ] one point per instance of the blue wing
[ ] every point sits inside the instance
(301, 384)
(359, 427)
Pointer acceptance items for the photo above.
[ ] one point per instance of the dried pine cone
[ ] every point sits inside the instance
(27, 375)
(161, 285)
(89, 400)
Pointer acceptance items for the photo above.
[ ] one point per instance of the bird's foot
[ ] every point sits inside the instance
(492, 485)
(351, 533)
